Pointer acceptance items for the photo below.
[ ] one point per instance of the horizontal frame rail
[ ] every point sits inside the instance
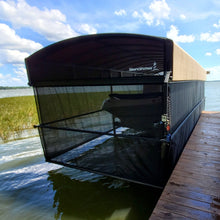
(98, 132)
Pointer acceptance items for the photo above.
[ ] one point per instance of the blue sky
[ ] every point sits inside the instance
(28, 25)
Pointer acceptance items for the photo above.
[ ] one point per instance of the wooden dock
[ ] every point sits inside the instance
(193, 190)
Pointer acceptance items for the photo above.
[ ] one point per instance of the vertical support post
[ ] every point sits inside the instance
(113, 118)
(166, 92)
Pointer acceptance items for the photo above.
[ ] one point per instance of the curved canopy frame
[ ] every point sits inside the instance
(101, 57)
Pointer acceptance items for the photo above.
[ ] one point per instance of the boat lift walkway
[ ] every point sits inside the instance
(193, 190)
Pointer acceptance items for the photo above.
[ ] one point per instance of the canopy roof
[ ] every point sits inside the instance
(101, 58)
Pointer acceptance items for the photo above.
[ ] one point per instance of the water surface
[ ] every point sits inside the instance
(30, 188)
(16, 92)
(212, 94)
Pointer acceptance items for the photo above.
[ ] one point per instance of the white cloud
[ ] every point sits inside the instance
(86, 28)
(158, 11)
(208, 54)
(18, 78)
(217, 51)
(12, 56)
(20, 71)
(135, 14)
(217, 25)
(120, 12)
(214, 73)
(13, 48)
(10, 40)
(210, 37)
(9, 80)
(204, 36)
(173, 34)
(182, 17)
(49, 23)
(148, 17)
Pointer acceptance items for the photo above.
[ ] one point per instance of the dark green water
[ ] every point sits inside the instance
(33, 189)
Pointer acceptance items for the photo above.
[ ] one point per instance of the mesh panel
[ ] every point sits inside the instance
(73, 115)
(183, 96)
(113, 130)
(132, 158)
(117, 130)
(182, 133)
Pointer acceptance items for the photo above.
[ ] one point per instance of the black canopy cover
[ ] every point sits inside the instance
(100, 57)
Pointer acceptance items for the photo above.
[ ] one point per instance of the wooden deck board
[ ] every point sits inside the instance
(193, 190)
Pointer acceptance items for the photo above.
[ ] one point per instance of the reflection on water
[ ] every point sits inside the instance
(102, 198)
(33, 189)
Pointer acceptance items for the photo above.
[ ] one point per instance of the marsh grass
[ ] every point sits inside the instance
(16, 114)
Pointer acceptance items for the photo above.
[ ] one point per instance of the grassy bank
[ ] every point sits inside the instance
(16, 114)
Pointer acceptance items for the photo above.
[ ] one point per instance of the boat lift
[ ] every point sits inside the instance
(121, 105)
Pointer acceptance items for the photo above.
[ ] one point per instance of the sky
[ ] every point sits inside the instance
(26, 26)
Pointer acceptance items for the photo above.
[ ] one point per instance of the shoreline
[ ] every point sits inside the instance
(23, 134)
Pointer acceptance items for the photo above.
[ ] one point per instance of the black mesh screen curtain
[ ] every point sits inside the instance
(186, 101)
(117, 130)
(114, 130)
(183, 97)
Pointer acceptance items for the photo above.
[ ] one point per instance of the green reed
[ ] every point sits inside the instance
(16, 114)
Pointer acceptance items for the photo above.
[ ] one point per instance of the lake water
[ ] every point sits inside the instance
(212, 94)
(16, 92)
(30, 188)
